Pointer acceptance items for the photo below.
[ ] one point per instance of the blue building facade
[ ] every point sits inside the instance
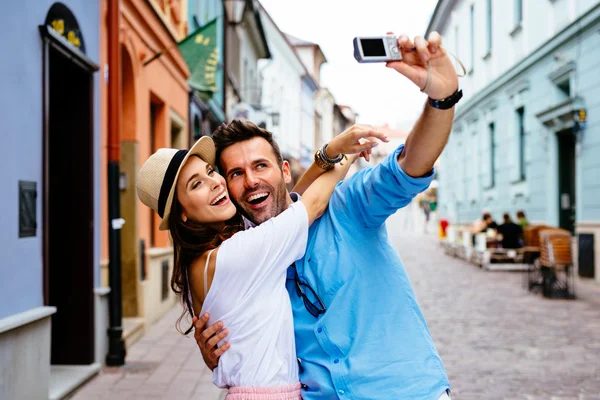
(49, 231)
(527, 134)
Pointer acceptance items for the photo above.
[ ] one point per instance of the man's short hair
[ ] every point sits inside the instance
(506, 217)
(486, 216)
(238, 131)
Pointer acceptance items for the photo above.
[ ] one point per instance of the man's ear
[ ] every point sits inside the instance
(183, 217)
(287, 172)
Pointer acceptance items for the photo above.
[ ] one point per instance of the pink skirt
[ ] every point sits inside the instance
(290, 392)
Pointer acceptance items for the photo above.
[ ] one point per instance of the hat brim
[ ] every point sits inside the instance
(203, 148)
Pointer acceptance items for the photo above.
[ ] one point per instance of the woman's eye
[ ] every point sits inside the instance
(211, 172)
(196, 184)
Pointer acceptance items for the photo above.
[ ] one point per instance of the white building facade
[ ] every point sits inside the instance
(526, 134)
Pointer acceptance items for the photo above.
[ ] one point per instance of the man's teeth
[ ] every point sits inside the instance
(257, 196)
(215, 201)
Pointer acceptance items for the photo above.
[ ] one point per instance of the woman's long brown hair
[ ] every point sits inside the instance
(191, 240)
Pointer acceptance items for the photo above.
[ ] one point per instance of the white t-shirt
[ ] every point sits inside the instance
(248, 294)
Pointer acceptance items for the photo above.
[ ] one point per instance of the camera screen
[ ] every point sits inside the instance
(372, 47)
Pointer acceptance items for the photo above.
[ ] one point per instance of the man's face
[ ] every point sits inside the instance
(256, 183)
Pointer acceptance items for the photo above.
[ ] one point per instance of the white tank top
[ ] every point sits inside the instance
(248, 294)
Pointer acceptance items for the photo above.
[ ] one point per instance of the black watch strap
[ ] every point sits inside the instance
(448, 102)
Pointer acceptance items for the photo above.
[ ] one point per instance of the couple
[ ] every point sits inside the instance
(357, 331)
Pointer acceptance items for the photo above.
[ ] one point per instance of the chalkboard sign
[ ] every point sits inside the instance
(586, 255)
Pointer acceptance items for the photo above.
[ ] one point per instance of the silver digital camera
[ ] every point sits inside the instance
(371, 49)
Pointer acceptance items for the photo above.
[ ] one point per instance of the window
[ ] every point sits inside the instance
(518, 12)
(521, 137)
(565, 87)
(489, 26)
(472, 33)
(492, 155)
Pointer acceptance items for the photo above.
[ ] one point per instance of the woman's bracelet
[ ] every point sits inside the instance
(336, 160)
(321, 162)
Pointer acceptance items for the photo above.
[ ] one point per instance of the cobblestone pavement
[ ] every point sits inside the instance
(497, 340)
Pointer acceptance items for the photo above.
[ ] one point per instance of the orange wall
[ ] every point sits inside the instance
(164, 80)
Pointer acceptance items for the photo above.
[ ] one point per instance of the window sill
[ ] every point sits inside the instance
(470, 73)
(487, 56)
(516, 30)
(489, 187)
(518, 181)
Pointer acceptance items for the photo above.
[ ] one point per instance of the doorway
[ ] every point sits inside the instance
(69, 205)
(566, 180)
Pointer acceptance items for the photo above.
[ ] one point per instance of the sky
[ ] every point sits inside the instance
(380, 95)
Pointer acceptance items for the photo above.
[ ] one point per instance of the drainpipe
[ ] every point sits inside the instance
(116, 345)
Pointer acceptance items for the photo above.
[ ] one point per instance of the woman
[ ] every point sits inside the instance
(244, 286)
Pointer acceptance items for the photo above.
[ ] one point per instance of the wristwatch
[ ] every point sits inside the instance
(448, 102)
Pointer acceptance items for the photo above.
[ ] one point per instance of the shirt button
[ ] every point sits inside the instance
(340, 391)
(320, 330)
(335, 362)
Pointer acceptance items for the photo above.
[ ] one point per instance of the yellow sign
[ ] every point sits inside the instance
(59, 26)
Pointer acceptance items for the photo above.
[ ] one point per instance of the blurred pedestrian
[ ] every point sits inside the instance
(512, 234)
(522, 219)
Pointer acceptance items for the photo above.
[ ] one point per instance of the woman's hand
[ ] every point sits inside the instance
(358, 139)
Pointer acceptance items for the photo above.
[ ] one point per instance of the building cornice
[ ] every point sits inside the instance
(441, 12)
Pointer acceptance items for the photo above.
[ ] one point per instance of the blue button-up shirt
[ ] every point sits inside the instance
(372, 342)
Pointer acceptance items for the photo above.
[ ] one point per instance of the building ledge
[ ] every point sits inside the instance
(102, 291)
(487, 55)
(155, 252)
(24, 318)
(562, 115)
(64, 379)
(516, 30)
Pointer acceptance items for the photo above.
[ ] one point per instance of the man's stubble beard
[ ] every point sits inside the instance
(278, 205)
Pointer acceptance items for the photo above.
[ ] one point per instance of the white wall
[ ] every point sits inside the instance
(282, 89)
(324, 104)
(542, 19)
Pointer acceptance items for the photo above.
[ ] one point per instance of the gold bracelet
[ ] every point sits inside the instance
(320, 161)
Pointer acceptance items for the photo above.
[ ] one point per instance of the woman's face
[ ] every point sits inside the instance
(202, 193)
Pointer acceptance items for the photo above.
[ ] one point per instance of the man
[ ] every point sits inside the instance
(512, 234)
(359, 330)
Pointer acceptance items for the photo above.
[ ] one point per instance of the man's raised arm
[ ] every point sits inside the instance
(372, 195)
(439, 81)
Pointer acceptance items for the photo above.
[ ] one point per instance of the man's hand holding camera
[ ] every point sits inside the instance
(415, 56)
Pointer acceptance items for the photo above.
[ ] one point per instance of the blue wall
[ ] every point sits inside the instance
(21, 277)
(465, 179)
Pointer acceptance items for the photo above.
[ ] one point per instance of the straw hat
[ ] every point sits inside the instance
(157, 179)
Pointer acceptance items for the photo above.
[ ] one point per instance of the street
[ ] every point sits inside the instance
(497, 340)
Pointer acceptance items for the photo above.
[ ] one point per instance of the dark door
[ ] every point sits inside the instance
(566, 180)
(69, 176)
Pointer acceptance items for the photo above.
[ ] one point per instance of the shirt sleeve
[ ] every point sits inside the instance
(371, 195)
(262, 251)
